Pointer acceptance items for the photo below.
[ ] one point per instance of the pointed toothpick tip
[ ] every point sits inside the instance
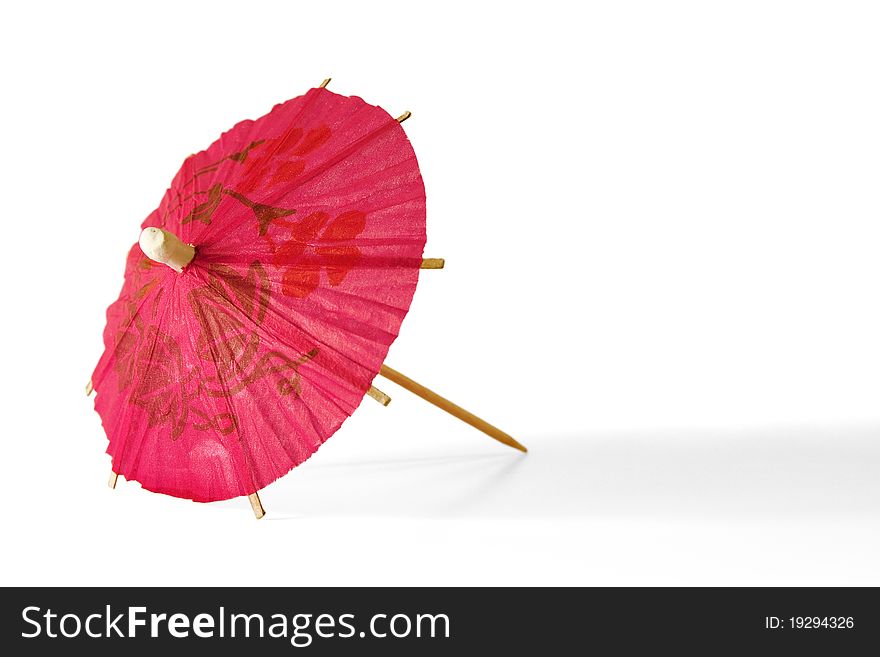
(324, 84)
(89, 388)
(403, 117)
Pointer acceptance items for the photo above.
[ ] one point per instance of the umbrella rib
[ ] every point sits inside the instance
(191, 333)
(96, 380)
(319, 170)
(264, 332)
(356, 184)
(207, 231)
(127, 439)
(254, 498)
(275, 336)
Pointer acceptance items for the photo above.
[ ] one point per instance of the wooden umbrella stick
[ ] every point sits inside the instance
(89, 388)
(379, 396)
(113, 478)
(324, 84)
(256, 505)
(403, 117)
(449, 407)
(433, 263)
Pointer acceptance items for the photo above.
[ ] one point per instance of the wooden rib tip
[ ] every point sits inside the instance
(433, 263)
(112, 481)
(403, 117)
(324, 84)
(256, 505)
(379, 396)
(89, 388)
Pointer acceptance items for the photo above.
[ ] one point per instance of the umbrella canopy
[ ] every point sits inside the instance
(307, 229)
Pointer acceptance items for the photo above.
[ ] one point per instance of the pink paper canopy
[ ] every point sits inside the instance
(309, 227)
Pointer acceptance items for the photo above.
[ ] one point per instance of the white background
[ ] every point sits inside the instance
(661, 223)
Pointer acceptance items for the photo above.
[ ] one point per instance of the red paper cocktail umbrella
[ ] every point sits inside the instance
(262, 298)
